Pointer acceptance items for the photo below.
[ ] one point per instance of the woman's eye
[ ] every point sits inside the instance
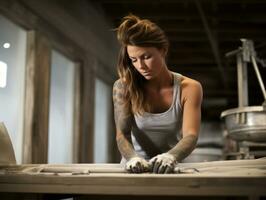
(147, 57)
(133, 60)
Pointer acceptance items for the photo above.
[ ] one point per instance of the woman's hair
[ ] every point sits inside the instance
(143, 33)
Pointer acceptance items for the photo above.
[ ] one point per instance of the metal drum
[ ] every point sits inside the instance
(246, 123)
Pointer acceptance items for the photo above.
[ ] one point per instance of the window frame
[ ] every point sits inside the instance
(41, 39)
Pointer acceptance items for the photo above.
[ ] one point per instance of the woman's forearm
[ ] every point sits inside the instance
(184, 147)
(125, 147)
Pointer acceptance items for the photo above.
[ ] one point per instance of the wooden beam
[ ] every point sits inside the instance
(35, 148)
(77, 140)
(87, 112)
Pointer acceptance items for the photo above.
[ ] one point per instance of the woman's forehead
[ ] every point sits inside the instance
(137, 50)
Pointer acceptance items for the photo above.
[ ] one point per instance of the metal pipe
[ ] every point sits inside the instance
(253, 59)
(234, 52)
(242, 81)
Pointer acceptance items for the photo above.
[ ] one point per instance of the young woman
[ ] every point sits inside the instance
(157, 112)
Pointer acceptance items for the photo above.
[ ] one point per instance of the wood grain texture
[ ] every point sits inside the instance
(112, 179)
(36, 99)
(77, 114)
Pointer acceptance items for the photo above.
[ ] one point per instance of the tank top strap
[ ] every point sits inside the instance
(178, 78)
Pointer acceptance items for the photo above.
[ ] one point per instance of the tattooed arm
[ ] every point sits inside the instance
(191, 100)
(123, 121)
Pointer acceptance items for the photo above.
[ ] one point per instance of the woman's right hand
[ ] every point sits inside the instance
(138, 165)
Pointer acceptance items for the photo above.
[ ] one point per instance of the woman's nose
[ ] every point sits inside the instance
(141, 64)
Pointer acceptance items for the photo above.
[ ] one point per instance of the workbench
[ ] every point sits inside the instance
(237, 179)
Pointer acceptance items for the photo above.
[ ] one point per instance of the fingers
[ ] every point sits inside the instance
(156, 166)
(163, 164)
(137, 168)
(169, 170)
(161, 168)
(160, 164)
(137, 165)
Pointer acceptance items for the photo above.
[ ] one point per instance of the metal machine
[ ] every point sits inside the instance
(246, 125)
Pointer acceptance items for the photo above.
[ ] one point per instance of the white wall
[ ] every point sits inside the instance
(12, 95)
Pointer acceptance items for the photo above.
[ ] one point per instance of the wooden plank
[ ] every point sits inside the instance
(218, 178)
(229, 169)
(135, 184)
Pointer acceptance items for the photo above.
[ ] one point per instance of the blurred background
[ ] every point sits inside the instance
(58, 64)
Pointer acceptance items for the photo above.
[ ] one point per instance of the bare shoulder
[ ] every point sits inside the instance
(119, 89)
(189, 83)
(191, 89)
(119, 85)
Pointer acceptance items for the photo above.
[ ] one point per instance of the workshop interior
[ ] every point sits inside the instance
(58, 64)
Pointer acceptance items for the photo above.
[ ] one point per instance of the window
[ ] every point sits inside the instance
(101, 121)
(12, 81)
(61, 111)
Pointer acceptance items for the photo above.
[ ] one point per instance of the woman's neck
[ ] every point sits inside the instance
(164, 79)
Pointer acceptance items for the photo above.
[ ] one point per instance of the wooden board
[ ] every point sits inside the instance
(219, 178)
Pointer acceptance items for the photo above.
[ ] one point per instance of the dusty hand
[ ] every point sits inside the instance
(138, 165)
(163, 163)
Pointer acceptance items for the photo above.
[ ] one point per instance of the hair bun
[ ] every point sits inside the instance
(127, 25)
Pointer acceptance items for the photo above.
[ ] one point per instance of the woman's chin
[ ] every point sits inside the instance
(147, 76)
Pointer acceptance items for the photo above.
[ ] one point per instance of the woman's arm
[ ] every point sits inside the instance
(123, 121)
(191, 101)
(192, 98)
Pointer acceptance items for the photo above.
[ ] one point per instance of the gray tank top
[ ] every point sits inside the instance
(155, 133)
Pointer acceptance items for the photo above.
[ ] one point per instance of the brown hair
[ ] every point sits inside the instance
(137, 32)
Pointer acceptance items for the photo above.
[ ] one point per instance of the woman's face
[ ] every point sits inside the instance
(148, 61)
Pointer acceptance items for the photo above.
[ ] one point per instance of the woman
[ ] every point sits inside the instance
(157, 112)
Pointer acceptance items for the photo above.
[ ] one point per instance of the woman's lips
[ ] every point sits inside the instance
(146, 73)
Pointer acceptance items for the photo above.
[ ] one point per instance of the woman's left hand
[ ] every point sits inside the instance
(163, 163)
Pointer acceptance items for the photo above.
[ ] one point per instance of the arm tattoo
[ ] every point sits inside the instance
(124, 146)
(123, 121)
(184, 147)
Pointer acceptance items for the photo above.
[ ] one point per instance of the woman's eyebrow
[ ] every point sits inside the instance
(141, 55)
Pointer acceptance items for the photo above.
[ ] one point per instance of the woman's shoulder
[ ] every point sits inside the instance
(119, 84)
(185, 81)
(191, 87)
(189, 82)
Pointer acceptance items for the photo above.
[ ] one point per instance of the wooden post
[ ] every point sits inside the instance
(77, 114)
(36, 99)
